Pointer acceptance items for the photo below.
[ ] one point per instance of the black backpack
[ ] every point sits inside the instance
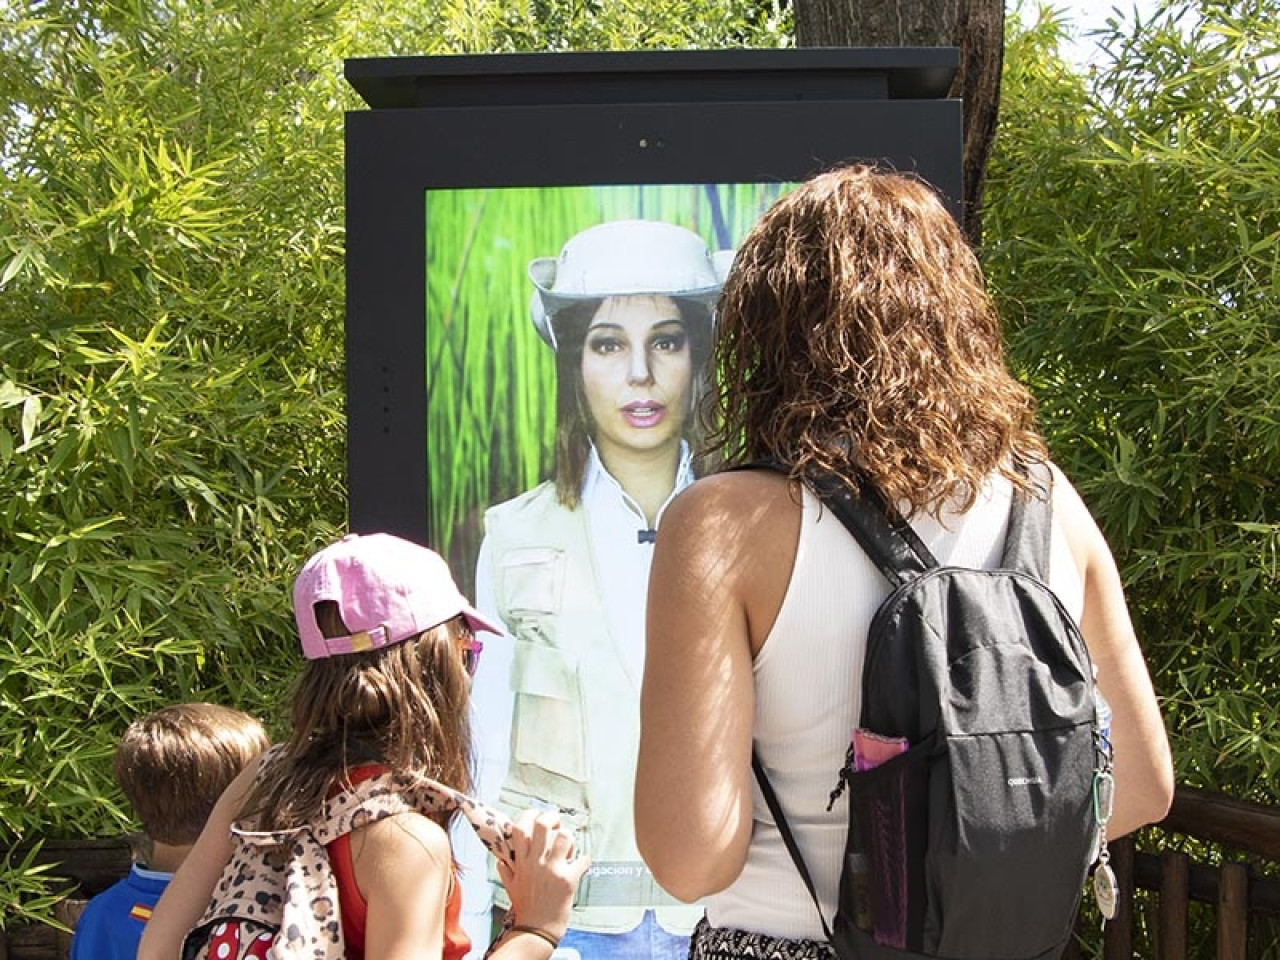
(972, 840)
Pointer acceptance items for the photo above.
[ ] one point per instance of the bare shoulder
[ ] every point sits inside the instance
(708, 503)
(728, 542)
(1065, 495)
(238, 790)
(405, 845)
(1088, 546)
(404, 870)
(406, 838)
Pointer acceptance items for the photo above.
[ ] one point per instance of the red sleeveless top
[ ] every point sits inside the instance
(354, 909)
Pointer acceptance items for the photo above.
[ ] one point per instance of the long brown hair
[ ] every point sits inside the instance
(574, 428)
(855, 336)
(404, 706)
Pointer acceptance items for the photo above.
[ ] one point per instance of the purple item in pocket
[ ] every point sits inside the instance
(871, 749)
(881, 812)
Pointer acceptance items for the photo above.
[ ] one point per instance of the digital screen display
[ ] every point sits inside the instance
(534, 246)
(559, 317)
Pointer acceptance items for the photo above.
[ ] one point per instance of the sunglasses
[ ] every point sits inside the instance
(470, 646)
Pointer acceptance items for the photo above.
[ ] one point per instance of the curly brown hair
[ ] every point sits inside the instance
(403, 706)
(855, 337)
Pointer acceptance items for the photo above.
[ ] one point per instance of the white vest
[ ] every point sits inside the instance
(576, 716)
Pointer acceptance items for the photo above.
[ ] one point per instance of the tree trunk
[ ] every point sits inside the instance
(975, 26)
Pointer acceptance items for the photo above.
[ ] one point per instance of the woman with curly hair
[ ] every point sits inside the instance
(854, 338)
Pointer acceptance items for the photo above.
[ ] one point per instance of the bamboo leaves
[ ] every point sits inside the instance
(490, 379)
(1141, 294)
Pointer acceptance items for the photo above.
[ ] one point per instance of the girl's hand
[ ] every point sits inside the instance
(545, 876)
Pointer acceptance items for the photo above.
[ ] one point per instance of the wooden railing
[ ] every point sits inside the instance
(89, 867)
(1235, 888)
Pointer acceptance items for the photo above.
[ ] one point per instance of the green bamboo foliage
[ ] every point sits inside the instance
(171, 389)
(490, 379)
(170, 380)
(1134, 242)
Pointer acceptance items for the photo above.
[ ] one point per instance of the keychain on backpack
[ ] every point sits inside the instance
(1105, 888)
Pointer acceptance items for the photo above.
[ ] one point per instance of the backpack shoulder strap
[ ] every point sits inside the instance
(388, 794)
(366, 802)
(900, 554)
(883, 533)
(1026, 543)
(784, 828)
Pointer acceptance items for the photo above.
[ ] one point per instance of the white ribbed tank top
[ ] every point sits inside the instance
(808, 699)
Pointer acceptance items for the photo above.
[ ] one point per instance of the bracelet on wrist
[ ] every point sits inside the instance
(537, 932)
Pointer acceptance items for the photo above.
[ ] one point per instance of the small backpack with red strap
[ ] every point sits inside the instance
(277, 897)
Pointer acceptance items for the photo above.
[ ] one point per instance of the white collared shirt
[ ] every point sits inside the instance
(622, 556)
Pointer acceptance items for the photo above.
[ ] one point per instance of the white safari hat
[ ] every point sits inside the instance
(625, 257)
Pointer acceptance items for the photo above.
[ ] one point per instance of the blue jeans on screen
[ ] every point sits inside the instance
(648, 941)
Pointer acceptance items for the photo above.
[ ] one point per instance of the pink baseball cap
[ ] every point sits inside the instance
(387, 590)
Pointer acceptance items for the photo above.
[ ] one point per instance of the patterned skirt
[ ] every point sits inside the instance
(730, 943)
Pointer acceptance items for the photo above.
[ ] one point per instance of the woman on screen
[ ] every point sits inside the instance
(627, 309)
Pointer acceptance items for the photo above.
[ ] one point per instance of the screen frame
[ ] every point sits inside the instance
(576, 119)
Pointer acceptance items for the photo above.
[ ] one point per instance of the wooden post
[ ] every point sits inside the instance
(1117, 941)
(1171, 936)
(1233, 911)
(976, 27)
(67, 912)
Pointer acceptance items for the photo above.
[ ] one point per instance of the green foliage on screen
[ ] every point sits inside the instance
(491, 380)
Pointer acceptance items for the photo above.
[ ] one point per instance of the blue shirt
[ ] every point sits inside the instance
(112, 922)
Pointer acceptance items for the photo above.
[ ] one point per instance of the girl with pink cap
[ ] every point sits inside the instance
(390, 646)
